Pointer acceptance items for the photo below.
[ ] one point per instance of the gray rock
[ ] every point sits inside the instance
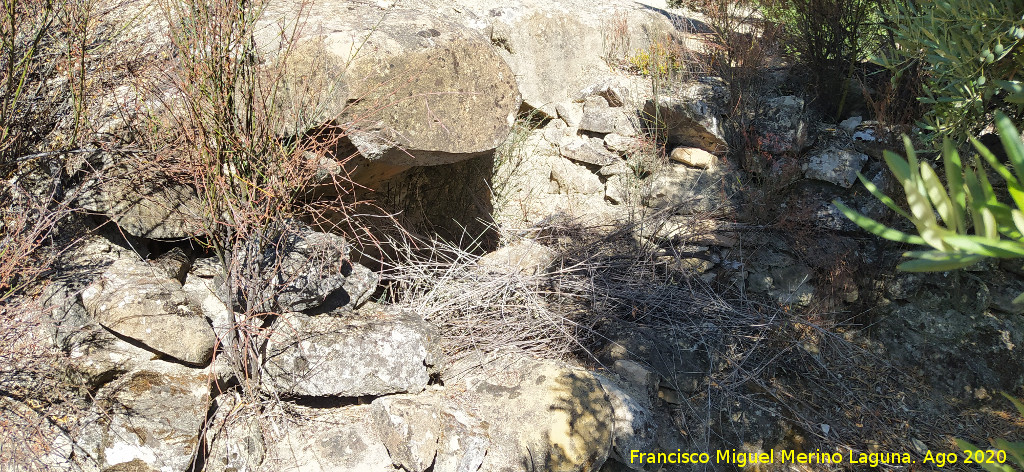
(574, 178)
(144, 202)
(557, 49)
(552, 417)
(781, 127)
(616, 92)
(570, 112)
(598, 117)
(588, 152)
(850, 124)
(694, 117)
(202, 294)
(410, 427)
(431, 90)
(133, 299)
(174, 264)
(633, 424)
(624, 144)
(326, 439)
(349, 354)
(616, 189)
(557, 132)
(150, 417)
(522, 257)
(838, 166)
(618, 167)
(234, 438)
(360, 283)
(301, 270)
(463, 444)
(687, 190)
(96, 355)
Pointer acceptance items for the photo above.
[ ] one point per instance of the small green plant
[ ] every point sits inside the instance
(941, 216)
(1014, 450)
(659, 59)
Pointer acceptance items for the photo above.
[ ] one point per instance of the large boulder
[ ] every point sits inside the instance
(557, 49)
(422, 87)
(349, 354)
(149, 419)
(137, 301)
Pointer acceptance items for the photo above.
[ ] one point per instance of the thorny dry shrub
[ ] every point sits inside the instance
(759, 375)
(37, 411)
(229, 133)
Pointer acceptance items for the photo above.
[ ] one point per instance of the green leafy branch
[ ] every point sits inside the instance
(940, 214)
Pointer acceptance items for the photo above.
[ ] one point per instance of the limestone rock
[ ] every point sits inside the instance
(687, 190)
(781, 127)
(463, 443)
(540, 413)
(570, 112)
(588, 152)
(142, 201)
(202, 293)
(624, 144)
(618, 167)
(694, 117)
(349, 354)
(133, 299)
(360, 283)
(302, 269)
(558, 48)
(634, 427)
(694, 157)
(574, 178)
(234, 439)
(96, 355)
(327, 439)
(598, 117)
(838, 166)
(410, 426)
(523, 257)
(150, 417)
(430, 89)
(616, 189)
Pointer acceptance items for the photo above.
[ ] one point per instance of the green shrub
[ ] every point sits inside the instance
(998, 228)
(971, 51)
(829, 38)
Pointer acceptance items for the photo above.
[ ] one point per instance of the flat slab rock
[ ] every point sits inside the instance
(349, 354)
